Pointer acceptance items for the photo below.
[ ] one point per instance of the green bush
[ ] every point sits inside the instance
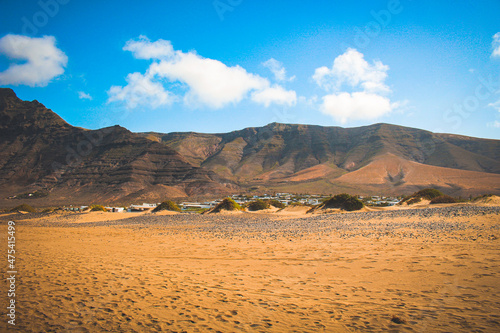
(258, 205)
(353, 204)
(227, 204)
(443, 199)
(195, 210)
(343, 201)
(23, 208)
(276, 203)
(481, 197)
(412, 201)
(167, 205)
(427, 193)
(97, 208)
(337, 200)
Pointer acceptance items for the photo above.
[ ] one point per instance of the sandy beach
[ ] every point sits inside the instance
(428, 269)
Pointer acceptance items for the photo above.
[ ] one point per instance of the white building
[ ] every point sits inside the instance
(186, 205)
(144, 206)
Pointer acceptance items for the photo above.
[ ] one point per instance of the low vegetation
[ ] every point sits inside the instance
(167, 205)
(484, 196)
(412, 201)
(427, 193)
(298, 204)
(258, 205)
(97, 208)
(343, 201)
(443, 199)
(195, 210)
(23, 208)
(276, 203)
(227, 204)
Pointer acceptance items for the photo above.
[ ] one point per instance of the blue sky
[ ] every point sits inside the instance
(216, 66)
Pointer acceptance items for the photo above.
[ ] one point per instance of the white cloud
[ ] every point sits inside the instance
(356, 106)
(44, 61)
(352, 69)
(140, 91)
(208, 82)
(275, 94)
(495, 105)
(144, 49)
(277, 69)
(84, 95)
(496, 45)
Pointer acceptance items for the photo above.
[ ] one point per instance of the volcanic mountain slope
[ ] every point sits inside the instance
(305, 157)
(389, 173)
(40, 151)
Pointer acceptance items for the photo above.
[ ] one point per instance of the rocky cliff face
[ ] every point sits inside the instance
(39, 150)
(304, 146)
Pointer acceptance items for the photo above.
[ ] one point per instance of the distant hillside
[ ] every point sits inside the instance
(40, 152)
(304, 157)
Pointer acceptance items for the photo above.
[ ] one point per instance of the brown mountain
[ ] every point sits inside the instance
(378, 158)
(40, 151)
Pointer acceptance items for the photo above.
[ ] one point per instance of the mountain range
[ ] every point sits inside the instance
(40, 153)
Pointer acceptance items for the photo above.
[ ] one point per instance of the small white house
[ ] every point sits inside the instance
(186, 205)
(144, 206)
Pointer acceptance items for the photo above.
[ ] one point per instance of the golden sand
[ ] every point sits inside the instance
(82, 276)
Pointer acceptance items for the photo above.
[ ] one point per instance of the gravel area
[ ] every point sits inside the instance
(431, 222)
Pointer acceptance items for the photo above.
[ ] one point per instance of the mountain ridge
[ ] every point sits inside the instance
(426, 145)
(40, 151)
(282, 156)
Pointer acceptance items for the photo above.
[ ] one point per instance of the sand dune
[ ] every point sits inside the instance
(437, 269)
(493, 200)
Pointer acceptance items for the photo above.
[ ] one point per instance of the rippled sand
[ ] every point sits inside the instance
(435, 270)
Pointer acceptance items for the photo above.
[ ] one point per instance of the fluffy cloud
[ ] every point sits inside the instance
(140, 91)
(145, 49)
(351, 69)
(356, 106)
(44, 61)
(496, 45)
(84, 95)
(208, 82)
(277, 69)
(275, 94)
